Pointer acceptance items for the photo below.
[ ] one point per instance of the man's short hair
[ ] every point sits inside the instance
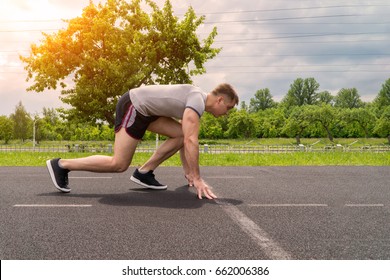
(227, 90)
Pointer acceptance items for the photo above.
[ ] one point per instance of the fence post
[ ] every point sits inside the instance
(206, 148)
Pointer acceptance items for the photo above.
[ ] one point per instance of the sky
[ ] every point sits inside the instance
(265, 44)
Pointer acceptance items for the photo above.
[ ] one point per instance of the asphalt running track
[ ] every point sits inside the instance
(295, 213)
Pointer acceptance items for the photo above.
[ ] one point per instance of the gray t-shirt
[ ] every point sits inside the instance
(168, 100)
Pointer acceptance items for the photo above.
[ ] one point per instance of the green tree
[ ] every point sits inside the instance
(296, 94)
(6, 129)
(383, 98)
(302, 92)
(114, 47)
(263, 100)
(107, 133)
(363, 117)
(22, 121)
(50, 115)
(327, 116)
(211, 127)
(325, 97)
(310, 91)
(240, 124)
(382, 127)
(269, 123)
(297, 122)
(348, 98)
(243, 106)
(94, 134)
(48, 125)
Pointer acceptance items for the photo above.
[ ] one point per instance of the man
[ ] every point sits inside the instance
(155, 108)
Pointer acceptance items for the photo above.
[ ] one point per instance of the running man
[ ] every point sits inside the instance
(155, 108)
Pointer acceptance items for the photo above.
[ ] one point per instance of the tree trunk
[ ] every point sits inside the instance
(298, 137)
(330, 136)
(365, 131)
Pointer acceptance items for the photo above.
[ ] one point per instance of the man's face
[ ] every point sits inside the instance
(222, 106)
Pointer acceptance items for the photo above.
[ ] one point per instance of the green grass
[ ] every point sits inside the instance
(284, 159)
(298, 158)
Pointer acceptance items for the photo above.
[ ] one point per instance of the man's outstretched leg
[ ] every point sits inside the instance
(124, 149)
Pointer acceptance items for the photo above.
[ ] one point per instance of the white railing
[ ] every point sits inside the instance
(207, 149)
(217, 149)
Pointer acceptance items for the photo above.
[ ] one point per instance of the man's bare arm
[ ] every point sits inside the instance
(191, 125)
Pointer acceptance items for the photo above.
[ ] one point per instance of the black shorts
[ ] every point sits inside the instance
(128, 117)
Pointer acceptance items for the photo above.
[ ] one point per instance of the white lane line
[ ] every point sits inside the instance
(52, 205)
(90, 177)
(364, 205)
(271, 248)
(289, 205)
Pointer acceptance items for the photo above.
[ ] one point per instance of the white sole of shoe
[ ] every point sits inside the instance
(53, 177)
(135, 180)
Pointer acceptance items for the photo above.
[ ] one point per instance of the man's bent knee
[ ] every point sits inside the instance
(122, 169)
(119, 167)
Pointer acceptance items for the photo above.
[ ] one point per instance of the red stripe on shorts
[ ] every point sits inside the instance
(129, 118)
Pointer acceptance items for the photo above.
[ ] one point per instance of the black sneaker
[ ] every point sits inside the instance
(147, 180)
(58, 175)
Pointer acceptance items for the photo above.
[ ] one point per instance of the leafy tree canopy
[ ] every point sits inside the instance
(113, 47)
(383, 125)
(383, 98)
(302, 92)
(348, 98)
(21, 120)
(263, 100)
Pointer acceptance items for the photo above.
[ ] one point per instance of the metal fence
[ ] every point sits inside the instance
(71, 148)
(217, 149)
(208, 149)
